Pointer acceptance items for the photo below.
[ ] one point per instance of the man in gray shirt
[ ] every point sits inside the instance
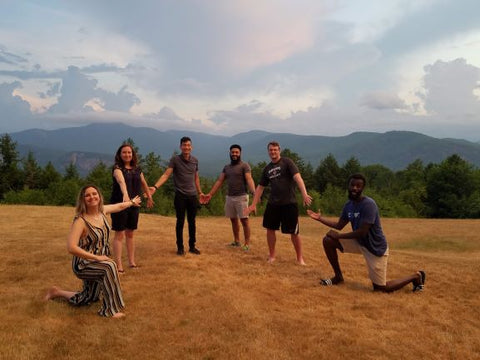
(187, 187)
(239, 177)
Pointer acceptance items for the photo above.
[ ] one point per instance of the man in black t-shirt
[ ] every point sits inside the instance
(282, 210)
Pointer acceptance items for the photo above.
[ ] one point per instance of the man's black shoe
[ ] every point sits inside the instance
(194, 251)
(180, 252)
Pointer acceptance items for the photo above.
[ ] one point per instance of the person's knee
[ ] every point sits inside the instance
(328, 242)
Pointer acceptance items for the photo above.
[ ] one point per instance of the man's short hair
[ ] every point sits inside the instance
(236, 146)
(357, 176)
(273, 143)
(185, 139)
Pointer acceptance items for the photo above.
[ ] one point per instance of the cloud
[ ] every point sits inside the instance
(10, 58)
(79, 93)
(382, 100)
(450, 88)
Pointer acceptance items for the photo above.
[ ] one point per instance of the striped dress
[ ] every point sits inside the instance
(100, 278)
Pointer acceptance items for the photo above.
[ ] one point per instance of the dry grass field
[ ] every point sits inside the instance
(226, 304)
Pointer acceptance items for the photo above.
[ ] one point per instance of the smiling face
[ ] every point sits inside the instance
(355, 189)
(274, 153)
(235, 155)
(126, 154)
(186, 148)
(91, 197)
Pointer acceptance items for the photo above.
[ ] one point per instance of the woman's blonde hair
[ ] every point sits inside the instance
(81, 208)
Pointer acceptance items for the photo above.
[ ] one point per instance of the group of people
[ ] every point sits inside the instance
(88, 240)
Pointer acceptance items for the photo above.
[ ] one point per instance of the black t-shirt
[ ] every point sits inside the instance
(280, 178)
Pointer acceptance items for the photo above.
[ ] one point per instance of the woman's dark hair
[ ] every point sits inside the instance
(118, 157)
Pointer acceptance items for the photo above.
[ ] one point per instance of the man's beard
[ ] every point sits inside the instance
(234, 161)
(354, 197)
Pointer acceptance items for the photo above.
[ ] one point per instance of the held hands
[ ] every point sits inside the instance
(136, 201)
(307, 200)
(314, 215)
(204, 199)
(150, 203)
(249, 209)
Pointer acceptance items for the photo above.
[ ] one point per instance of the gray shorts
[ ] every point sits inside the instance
(377, 265)
(235, 205)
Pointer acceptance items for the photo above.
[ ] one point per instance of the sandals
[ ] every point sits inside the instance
(419, 287)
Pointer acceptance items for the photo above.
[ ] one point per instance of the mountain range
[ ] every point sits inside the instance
(85, 146)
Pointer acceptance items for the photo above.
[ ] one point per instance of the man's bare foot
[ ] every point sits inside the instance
(118, 315)
(271, 260)
(51, 293)
(301, 262)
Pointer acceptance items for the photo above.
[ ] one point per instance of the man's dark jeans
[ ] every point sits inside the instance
(189, 204)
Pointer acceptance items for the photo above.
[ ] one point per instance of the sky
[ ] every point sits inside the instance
(310, 67)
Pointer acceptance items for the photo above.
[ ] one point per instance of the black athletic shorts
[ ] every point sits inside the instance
(126, 219)
(286, 215)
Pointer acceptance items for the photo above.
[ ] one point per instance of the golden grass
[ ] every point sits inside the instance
(225, 304)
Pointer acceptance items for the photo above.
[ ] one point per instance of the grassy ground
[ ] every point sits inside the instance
(226, 304)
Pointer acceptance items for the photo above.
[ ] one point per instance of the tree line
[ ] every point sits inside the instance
(450, 189)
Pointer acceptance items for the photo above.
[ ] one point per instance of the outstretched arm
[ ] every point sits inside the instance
(339, 224)
(307, 199)
(113, 208)
(146, 191)
(215, 186)
(255, 201)
(161, 180)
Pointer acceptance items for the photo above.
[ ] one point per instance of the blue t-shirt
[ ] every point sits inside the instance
(366, 212)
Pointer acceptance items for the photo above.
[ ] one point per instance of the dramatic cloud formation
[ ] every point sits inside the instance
(322, 67)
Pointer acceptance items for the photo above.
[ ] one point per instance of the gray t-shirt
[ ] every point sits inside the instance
(235, 176)
(184, 174)
(280, 178)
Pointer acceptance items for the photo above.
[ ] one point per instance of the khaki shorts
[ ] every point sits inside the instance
(377, 265)
(234, 206)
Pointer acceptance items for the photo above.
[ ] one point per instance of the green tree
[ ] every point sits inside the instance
(152, 168)
(451, 187)
(413, 187)
(71, 173)
(48, 176)
(63, 192)
(10, 174)
(350, 167)
(380, 178)
(31, 172)
(101, 176)
(305, 169)
(329, 172)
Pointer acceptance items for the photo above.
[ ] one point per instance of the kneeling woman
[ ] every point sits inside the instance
(88, 242)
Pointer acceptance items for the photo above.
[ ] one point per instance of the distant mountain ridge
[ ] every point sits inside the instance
(87, 145)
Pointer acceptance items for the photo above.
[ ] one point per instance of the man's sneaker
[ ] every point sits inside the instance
(194, 251)
(235, 244)
(180, 252)
(245, 248)
(421, 284)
